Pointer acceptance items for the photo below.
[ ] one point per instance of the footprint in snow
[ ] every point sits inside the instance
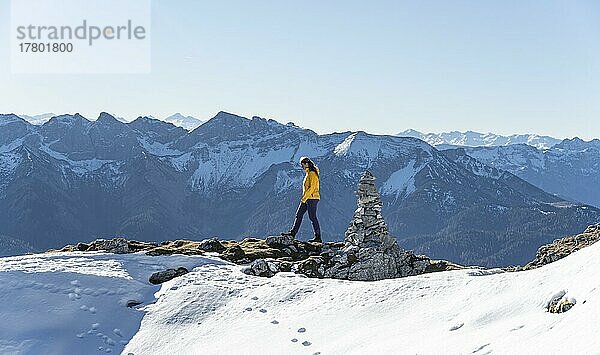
(301, 330)
(118, 332)
(456, 327)
(307, 343)
(248, 309)
(92, 310)
(254, 298)
(262, 310)
(480, 348)
(274, 322)
(294, 340)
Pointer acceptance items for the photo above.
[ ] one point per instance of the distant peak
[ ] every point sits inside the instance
(578, 143)
(177, 115)
(145, 119)
(105, 116)
(10, 118)
(229, 120)
(411, 131)
(227, 115)
(67, 119)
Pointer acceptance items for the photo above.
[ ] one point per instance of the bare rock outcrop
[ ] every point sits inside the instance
(563, 247)
(169, 274)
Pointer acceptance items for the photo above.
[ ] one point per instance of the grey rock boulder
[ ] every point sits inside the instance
(212, 245)
(116, 245)
(280, 240)
(169, 274)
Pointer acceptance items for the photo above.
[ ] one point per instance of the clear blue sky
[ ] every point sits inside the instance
(380, 66)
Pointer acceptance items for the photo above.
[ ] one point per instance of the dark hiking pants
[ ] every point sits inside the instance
(311, 206)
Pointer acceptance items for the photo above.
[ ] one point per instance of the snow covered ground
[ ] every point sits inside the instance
(76, 303)
(47, 300)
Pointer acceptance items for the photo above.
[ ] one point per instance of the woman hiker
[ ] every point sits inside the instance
(309, 201)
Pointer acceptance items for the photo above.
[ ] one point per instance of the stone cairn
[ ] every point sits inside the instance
(370, 252)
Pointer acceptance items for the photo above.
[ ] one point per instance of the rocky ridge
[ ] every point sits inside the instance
(369, 252)
(563, 247)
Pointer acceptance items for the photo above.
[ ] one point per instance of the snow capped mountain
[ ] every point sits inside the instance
(187, 122)
(476, 139)
(38, 119)
(570, 169)
(232, 152)
(83, 303)
(237, 177)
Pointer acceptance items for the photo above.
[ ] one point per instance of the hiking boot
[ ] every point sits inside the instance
(316, 239)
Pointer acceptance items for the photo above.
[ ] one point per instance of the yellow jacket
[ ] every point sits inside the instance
(310, 188)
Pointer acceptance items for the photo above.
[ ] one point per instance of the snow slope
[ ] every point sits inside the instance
(219, 310)
(216, 309)
(76, 303)
(402, 182)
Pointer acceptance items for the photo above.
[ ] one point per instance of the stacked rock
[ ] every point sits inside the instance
(370, 252)
(368, 228)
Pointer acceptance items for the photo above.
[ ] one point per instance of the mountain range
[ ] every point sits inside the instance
(476, 139)
(570, 169)
(72, 179)
(188, 122)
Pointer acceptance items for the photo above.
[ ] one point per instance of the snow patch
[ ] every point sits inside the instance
(80, 167)
(358, 146)
(402, 182)
(236, 168)
(157, 148)
(181, 162)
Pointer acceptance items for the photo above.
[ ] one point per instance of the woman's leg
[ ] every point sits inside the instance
(312, 214)
(299, 214)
